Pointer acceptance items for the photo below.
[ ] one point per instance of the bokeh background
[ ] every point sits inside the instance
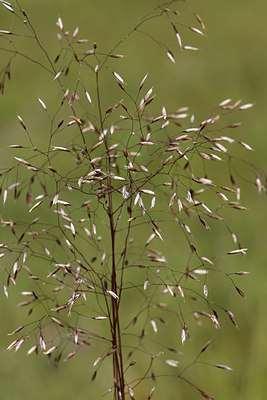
(231, 63)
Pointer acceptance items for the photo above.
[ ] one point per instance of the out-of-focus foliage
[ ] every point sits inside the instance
(231, 63)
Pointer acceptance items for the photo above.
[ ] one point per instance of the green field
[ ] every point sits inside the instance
(231, 63)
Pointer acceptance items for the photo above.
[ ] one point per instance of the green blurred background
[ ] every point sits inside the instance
(231, 63)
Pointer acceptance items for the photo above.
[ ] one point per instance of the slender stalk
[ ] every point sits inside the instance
(118, 370)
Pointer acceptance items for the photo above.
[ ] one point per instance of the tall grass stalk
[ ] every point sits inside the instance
(104, 195)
